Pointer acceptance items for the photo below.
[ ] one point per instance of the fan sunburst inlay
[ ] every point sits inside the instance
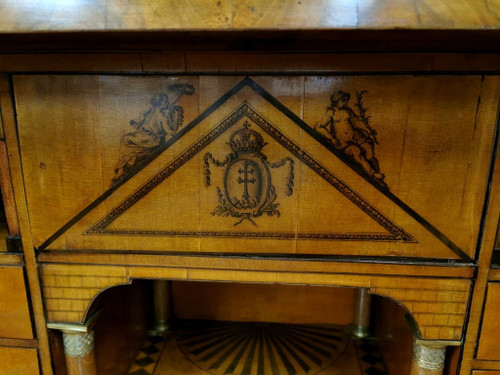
(261, 348)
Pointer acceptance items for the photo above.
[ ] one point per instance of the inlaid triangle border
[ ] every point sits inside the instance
(395, 233)
(248, 82)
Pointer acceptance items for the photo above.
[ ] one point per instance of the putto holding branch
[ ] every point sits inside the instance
(351, 132)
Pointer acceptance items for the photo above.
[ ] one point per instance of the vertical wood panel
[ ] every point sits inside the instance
(22, 211)
(17, 361)
(265, 303)
(489, 346)
(7, 193)
(14, 310)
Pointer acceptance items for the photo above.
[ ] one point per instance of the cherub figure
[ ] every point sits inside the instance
(156, 125)
(351, 133)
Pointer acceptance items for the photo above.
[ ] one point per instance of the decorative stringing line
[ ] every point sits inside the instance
(342, 157)
(167, 171)
(397, 233)
(354, 197)
(273, 235)
(248, 82)
(158, 151)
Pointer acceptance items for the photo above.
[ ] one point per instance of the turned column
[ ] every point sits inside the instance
(78, 342)
(162, 307)
(428, 358)
(362, 313)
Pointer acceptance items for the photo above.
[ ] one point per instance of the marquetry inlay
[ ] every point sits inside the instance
(261, 348)
(437, 305)
(68, 293)
(439, 310)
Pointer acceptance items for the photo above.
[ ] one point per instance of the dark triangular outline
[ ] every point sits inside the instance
(297, 120)
(394, 232)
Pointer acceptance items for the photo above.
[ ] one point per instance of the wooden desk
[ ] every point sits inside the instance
(254, 154)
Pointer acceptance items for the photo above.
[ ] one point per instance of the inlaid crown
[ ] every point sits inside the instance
(246, 140)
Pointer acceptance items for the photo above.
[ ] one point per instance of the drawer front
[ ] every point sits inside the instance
(489, 345)
(380, 166)
(15, 361)
(14, 310)
(486, 373)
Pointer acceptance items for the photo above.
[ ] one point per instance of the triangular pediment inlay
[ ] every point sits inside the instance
(388, 229)
(392, 231)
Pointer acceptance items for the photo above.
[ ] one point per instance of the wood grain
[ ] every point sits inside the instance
(417, 370)
(249, 14)
(263, 303)
(27, 242)
(236, 62)
(485, 252)
(247, 62)
(485, 365)
(4, 232)
(16, 320)
(19, 343)
(68, 294)
(488, 341)
(18, 361)
(81, 365)
(412, 128)
(122, 326)
(394, 337)
(11, 259)
(244, 263)
(7, 193)
(438, 305)
(494, 275)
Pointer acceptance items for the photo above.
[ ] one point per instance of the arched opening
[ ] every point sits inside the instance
(241, 328)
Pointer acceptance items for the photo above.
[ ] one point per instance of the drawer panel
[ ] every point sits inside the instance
(381, 166)
(14, 310)
(489, 345)
(486, 373)
(15, 361)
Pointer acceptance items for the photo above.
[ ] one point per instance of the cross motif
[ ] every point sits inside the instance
(245, 180)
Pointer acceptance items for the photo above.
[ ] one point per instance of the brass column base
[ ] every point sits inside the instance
(159, 328)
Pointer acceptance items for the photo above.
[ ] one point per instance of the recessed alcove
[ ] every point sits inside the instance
(219, 328)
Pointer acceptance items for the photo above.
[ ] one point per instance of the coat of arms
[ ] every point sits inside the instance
(247, 190)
